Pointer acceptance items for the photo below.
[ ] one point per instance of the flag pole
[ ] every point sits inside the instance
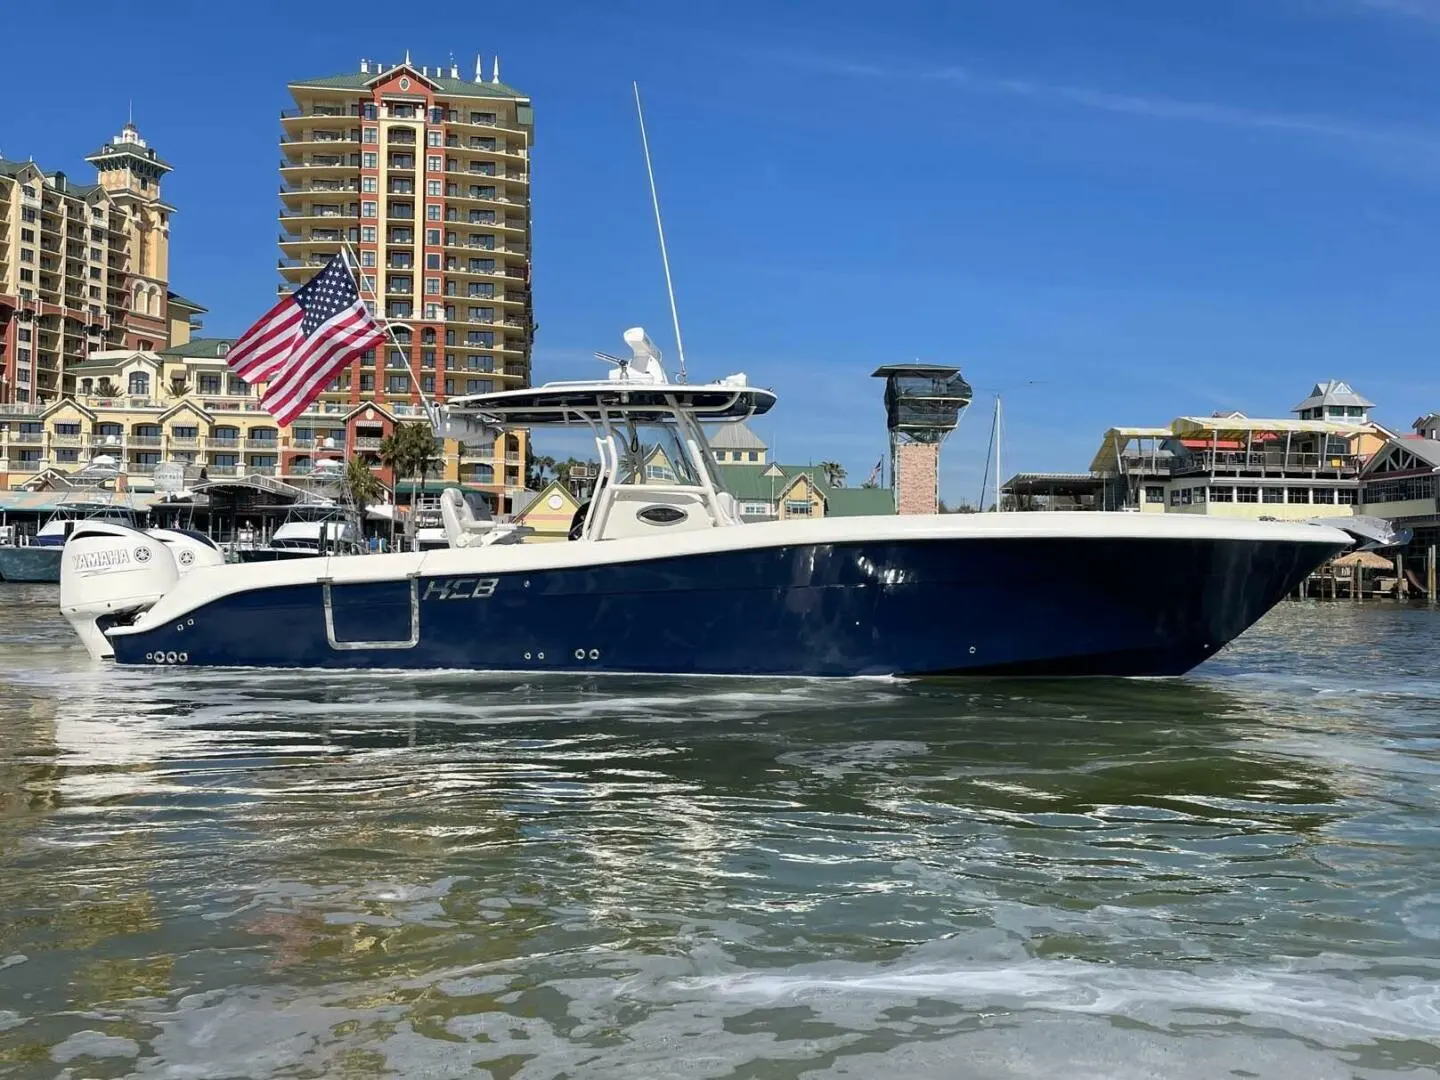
(352, 263)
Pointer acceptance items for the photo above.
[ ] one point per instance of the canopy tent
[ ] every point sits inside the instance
(1113, 443)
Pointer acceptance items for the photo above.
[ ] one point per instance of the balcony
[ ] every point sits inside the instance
(222, 470)
(67, 440)
(178, 443)
(268, 446)
(143, 442)
(1252, 463)
(367, 442)
(27, 438)
(223, 442)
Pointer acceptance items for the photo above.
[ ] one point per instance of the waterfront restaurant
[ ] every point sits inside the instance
(1233, 465)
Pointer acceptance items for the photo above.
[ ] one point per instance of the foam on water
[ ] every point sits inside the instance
(544, 877)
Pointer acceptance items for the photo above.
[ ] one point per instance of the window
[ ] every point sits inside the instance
(797, 508)
(1247, 494)
(368, 159)
(368, 208)
(139, 384)
(1200, 496)
(432, 211)
(432, 187)
(432, 286)
(1325, 496)
(27, 275)
(760, 509)
(427, 383)
(372, 135)
(434, 163)
(367, 234)
(370, 185)
(26, 255)
(367, 380)
(434, 138)
(398, 384)
(1272, 494)
(427, 358)
(67, 456)
(479, 386)
(480, 289)
(367, 258)
(209, 384)
(432, 262)
(754, 455)
(368, 284)
(27, 236)
(67, 429)
(1345, 496)
(1298, 495)
(185, 431)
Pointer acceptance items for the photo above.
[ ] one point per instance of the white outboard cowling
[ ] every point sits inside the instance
(190, 549)
(109, 570)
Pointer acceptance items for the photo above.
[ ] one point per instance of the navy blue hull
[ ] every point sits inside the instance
(1039, 606)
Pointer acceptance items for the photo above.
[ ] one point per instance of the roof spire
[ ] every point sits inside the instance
(479, 68)
(407, 58)
(495, 71)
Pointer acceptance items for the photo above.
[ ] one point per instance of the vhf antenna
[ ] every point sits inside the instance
(660, 228)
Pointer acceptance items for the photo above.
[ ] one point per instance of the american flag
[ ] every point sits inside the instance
(305, 340)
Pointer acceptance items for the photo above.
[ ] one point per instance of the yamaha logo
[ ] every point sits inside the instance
(187, 557)
(142, 554)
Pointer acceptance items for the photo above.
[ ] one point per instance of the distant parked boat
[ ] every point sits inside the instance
(91, 497)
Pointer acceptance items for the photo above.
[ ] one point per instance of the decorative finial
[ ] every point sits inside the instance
(407, 57)
(495, 71)
(479, 66)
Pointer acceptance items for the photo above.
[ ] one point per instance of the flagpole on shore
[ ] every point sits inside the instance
(352, 261)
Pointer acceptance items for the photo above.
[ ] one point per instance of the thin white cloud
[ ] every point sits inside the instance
(1142, 106)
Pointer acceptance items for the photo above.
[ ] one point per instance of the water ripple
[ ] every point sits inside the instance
(276, 874)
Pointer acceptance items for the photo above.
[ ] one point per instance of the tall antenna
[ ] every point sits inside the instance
(660, 228)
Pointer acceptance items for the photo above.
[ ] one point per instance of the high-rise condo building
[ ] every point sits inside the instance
(425, 177)
(84, 268)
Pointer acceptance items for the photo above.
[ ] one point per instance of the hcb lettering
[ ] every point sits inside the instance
(461, 589)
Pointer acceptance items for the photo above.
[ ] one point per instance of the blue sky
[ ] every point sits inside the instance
(1115, 211)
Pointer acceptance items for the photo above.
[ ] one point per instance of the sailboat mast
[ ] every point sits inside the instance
(997, 453)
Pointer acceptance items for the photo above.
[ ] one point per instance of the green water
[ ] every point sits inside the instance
(270, 875)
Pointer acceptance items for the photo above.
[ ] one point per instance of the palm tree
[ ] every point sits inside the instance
(834, 473)
(410, 451)
(361, 488)
(106, 388)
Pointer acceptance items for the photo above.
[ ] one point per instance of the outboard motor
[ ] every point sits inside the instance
(109, 571)
(190, 549)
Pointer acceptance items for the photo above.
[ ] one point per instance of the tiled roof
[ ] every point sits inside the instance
(760, 483)
(205, 348)
(1333, 392)
(181, 301)
(859, 502)
(143, 152)
(359, 80)
(735, 437)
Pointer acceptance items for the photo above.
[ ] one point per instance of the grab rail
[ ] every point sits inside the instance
(409, 643)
